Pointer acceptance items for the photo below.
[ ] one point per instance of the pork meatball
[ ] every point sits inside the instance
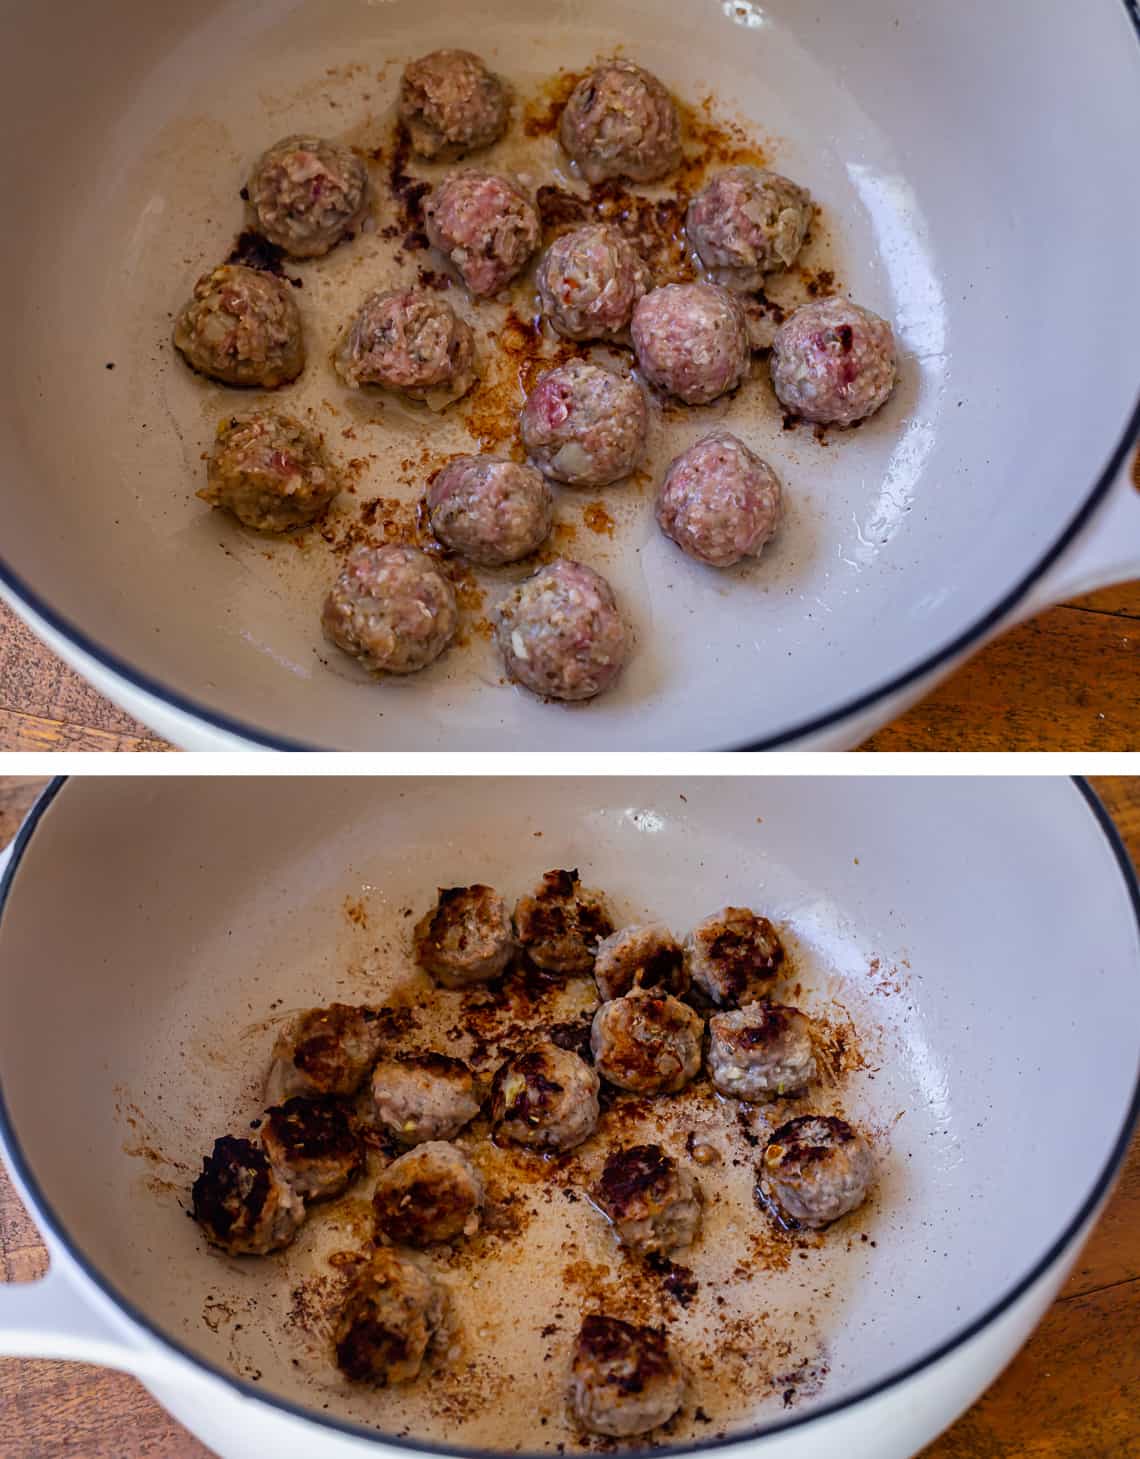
(314, 1144)
(692, 341)
(584, 425)
(391, 608)
(760, 1052)
(491, 512)
(242, 326)
(640, 957)
(324, 1051)
(815, 1170)
(746, 223)
(561, 634)
(734, 956)
(589, 281)
(451, 104)
(833, 363)
(431, 1194)
(270, 471)
(653, 1204)
(467, 937)
(561, 923)
(306, 194)
(648, 1042)
(393, 1315)
(546, 1098)
(410, 342)
(623, 1379)
(719, 501)
(422, 1097)
(242, 1203)
(485, 225)
(620, 121)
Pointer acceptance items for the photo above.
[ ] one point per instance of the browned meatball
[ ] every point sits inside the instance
(640, 957)
(734, 956)
(242, 1203)
(546, 1097)
(395, 1312)
(451, 104)
(431, 1194)
(306, 194)
(762, 1051)
(411, 342)
(270, 471)
(392, 608)
(620, 121)
(466, 938)
(314, 1144)
(422, 1097)
(653, 1203)
(623, 1379)
(242, 327)
(486, 226)
(648, 1042)
(815, 1170)
(562, 922)
(325, 1051)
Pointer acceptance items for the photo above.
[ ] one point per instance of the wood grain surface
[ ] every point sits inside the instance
(1072, 1393)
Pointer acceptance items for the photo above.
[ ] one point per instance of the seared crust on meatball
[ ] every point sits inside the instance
(620, 121)
(833, 362)
(324, 1051)
(241, 326)
(486, 225)
(431, 1194)
(561, 923)
(490, 511)
(584, 425)
(589, 281)
(411, 342)
(653, 1203)
(745, 223)
(467, 937)
(270, 471)
(719, 501)
(648, 1042)
(760, 1052)
(546, 1097)
(561, 633)
(424, 1096)
(393, 1315)
(640, 957)
(306, 194)
(451, 104)
(815, 1170)
(734, 956)
(392, 608)
(692, 341)
(315, 1144)
(623, 1379)
(242, 1203)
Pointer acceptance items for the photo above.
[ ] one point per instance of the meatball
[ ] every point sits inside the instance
(816, 1169)
(589, 280)
(242, 1203)
(451, 104)
(241, 326)
(653, 1204)
(692, 341)
(324, 1051)
(623, 1378)
(392, 608)
(640, 957)
(561, 634)
(719, 501)
(746, 223)
(314, 1144)
(648, 1042)
(422, 1097)
(270, 471)
(431, 1194)
(467, 937)
(307, 194)
(833, 363)
(561, 923)
(762, 1051)
(546, 1098)
(584, 425)
(491, 512)
(486, 225)
(411, 342)
(734, 956)
(620, 121)
(394, 1313)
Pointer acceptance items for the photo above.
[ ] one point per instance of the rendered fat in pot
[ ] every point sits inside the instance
(391, 608)
(589, 281)
(241, 326)
(492, 512)
(585, 425)
(719, 501)
(306, 194)
(692, 341)
(451, 104)
(620, 121)
(270, 471)
(561, 634)
(411, 342)
(746, 223)
(833, 362)
(485, 225)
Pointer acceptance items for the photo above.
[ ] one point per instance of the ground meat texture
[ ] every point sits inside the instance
(653, 1203)
(734, 956)
(467, 937)
(242, 326)
(422, 1097)
(584, 425)
(648, 1042)
(392, 608)
(431, 1194)
(746, 223)
(491, 512)
(561, 923)
(393, 1315)
(719, 501)
(561, 634)
(242, 1203)
(307, 194)
(589, 281)
(546, 1098)
(411, 342)
(270, 471)
(640, 957)
(833, 363)
(692, 341)
(760, 1052)
(485, 225)
(815, 1170)
(324, 1051)
(314, 1144)
(451, 104)
(620, 121)
(623, 1379)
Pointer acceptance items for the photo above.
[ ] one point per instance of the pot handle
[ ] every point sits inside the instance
(50, 1318)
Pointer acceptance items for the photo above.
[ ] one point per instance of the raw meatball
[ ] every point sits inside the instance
(734, 956)
(719, 501)
(306, 194)
(562, 923)
(623, 1379)
(451, 104)
(746, 223)
(546, 1098)
(411, 342)
(270, 471)
(585, 425)
(467, 937)
(816, 1169)
(589, 280)
(314, 1144)
(491, 512)
(423, 1096)
(486, 225)
(393, 1314)
(241, 1203)
(242, 327)
(654, 1205)
(692, 341)
(640, 957)
(833, 362)
(324, 1051)
(762, 1051)
(561, 634)
(392, 608)
(433, 1193)
(648, 1042)
(620, 121)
